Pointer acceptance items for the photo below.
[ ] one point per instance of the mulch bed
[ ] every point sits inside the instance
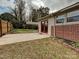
(67, 45)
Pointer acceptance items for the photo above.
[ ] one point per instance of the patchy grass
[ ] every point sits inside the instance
(24, 31)
(37, 49)
(74, 44)
(77, 44)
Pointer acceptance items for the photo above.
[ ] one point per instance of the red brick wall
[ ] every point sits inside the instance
(70, 32)
(59, 31)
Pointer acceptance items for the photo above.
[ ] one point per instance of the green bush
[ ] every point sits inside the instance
(28, 26)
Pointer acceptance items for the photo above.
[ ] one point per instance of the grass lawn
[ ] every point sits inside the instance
(24, 31)
(37, 49)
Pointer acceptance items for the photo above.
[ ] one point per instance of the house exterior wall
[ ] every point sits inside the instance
(65, 25)
(39, 26)
(68, 30)
(50, 24)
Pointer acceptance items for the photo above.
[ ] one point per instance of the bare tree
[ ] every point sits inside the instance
(14, 12)
(19, 13)
(20, 9)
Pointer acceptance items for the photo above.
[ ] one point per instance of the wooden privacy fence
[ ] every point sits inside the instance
(5, 27)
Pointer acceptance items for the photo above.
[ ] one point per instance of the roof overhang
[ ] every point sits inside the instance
(59, 12)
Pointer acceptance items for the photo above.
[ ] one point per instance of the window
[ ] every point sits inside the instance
(73, 19)
(42, 22)
(73, 16)
(60, 19)
(46, 22)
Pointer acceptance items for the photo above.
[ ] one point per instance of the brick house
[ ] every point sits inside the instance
(63, 23)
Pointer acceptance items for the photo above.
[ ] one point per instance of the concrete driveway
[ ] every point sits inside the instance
(13, 38)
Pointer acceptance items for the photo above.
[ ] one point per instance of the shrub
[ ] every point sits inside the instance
(29, 26)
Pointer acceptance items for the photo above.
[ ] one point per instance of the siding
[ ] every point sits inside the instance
(50, 23)
(69, 32)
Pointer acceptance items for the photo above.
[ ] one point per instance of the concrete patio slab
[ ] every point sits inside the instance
(13, 38)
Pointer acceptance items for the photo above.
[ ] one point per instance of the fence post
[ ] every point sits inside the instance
(0, 28)
(10, 26)
(7, 27)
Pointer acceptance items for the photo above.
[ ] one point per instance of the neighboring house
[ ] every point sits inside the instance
(63, 23)
(32, 23)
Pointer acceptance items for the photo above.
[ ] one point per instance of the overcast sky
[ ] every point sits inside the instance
(54, 5)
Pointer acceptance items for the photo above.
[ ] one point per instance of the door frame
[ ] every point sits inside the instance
(44, 26)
